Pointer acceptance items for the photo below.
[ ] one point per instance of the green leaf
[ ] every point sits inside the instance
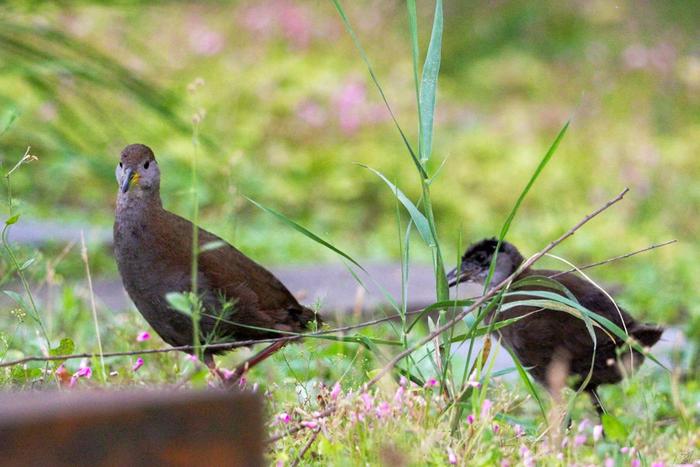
(12, 220)
(179, 301)
(306, 232)
(428, 86)
(614, 429)
(16, 297)
(413, 28)
(65, 347)
(416, 216)
(27, 263)
(528, 384)
(506, 225)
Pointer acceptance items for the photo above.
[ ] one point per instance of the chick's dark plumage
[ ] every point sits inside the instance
(544, 334)
(153, 249)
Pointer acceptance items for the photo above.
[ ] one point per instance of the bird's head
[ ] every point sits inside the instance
(476, 262)
(137, 171)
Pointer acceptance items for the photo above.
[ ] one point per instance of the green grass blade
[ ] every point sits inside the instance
(306, 232)
(418, 218)
(506, 225)
(361, 50)
(428, 86)
(413, 28)
(528, 383)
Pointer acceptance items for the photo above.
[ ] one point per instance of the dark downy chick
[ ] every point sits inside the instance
(545, 334)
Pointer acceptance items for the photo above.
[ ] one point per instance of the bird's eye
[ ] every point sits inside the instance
(146, 164)
(121, 165)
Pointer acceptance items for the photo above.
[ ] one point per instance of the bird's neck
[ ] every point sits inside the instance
(137, 204)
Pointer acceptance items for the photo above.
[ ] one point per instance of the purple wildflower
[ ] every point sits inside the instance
(284, 417)
(138, 364)
(470, 419)
(496, 428)
(579, 440)
(310, 424)
(383, 410)
(451, 457)
(635, 463)
(335, 392)
(143, 336)
(367, 400)
(486, 408)
(519, 431)
(431, 383)
(609, 462)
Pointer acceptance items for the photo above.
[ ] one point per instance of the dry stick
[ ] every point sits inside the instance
(234, 345)
(458, 318)
(306, 447)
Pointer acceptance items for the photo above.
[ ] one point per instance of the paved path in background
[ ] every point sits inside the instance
(331, 285)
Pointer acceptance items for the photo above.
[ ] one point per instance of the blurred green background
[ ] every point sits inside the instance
(290, 110)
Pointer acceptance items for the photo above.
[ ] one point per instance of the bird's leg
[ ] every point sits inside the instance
(243, 368)
(211, 364)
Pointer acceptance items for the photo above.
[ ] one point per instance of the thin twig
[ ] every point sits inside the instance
(93, 306)
(306, 447)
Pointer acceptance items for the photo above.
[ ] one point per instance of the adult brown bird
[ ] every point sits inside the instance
(153, 249)
(544, 335)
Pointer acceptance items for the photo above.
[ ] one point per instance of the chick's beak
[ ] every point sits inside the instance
(453, 277)
(130, 177)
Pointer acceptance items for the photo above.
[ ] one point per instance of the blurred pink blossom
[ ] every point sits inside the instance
(403, 381)
(579, 440)
(486, 408)
(431, 383)
(451, 457)
(367, 401)
(335, 392)
(496, 428)
(383, 410)
(284, 417)
(204, 41)
(398, 397)
(349, 101)
(583, 425)
(470, 419)
(138, 364)
(310, 424)
(635, 463)
(609, 462)
(597, 432)
(658, 464)
(519, 431)
(83, 372)
(143, 336)
(505, 463)
(311, 113)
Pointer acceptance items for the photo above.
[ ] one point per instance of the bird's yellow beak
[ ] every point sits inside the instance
(130, 177)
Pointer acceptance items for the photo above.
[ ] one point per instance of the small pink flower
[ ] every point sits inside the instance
(242, 382)
(138, 364)
(624, 449)
(519, 431)
(486, 408)
(496, 428)
(192, 358)
(470, 419)
(579, 440)
(658, 464)
(403, 381)
(597, 432)
(310, 424)
(431, 383)
(398, 397)
(635, 463)
(505, 463)
(524, 451)
(473, 384)
(83, 372)
(609, 462)
(143, 336)
(335, 392)
(582, 426)
(284, 417)
(383, 410)
(451, 457)
(367, 400)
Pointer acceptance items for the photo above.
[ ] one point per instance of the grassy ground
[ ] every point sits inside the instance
(289, 110)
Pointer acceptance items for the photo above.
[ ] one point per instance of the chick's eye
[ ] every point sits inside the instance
(146, 164)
